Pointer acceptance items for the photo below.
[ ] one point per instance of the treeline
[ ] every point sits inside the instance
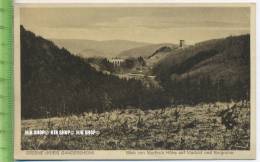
(205, 90)
(55, 83)
(102, 63)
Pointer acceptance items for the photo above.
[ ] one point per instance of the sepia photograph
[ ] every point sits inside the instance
(135, 78)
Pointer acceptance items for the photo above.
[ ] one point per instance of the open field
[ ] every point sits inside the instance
(218, 126)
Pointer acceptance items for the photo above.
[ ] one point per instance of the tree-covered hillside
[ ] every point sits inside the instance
(215, 70)
(55, 83)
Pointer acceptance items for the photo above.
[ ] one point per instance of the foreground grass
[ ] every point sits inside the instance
(219, 126)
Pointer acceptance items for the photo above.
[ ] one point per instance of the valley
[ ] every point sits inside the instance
(147, 96)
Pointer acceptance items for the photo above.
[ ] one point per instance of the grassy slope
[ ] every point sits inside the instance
(197, 128)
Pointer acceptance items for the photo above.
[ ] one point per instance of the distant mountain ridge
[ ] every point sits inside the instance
(145, 51)
(92, 48)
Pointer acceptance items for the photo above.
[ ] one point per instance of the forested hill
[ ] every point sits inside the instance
(208, 71)
(145, 51)
(55, 83)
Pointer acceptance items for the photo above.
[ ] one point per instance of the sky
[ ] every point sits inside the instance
(143, 24)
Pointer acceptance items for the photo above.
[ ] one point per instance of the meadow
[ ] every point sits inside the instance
(215, 126)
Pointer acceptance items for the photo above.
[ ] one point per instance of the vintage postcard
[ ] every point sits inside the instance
(135, 81)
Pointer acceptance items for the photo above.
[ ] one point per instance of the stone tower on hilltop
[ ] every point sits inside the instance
(182, 43)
